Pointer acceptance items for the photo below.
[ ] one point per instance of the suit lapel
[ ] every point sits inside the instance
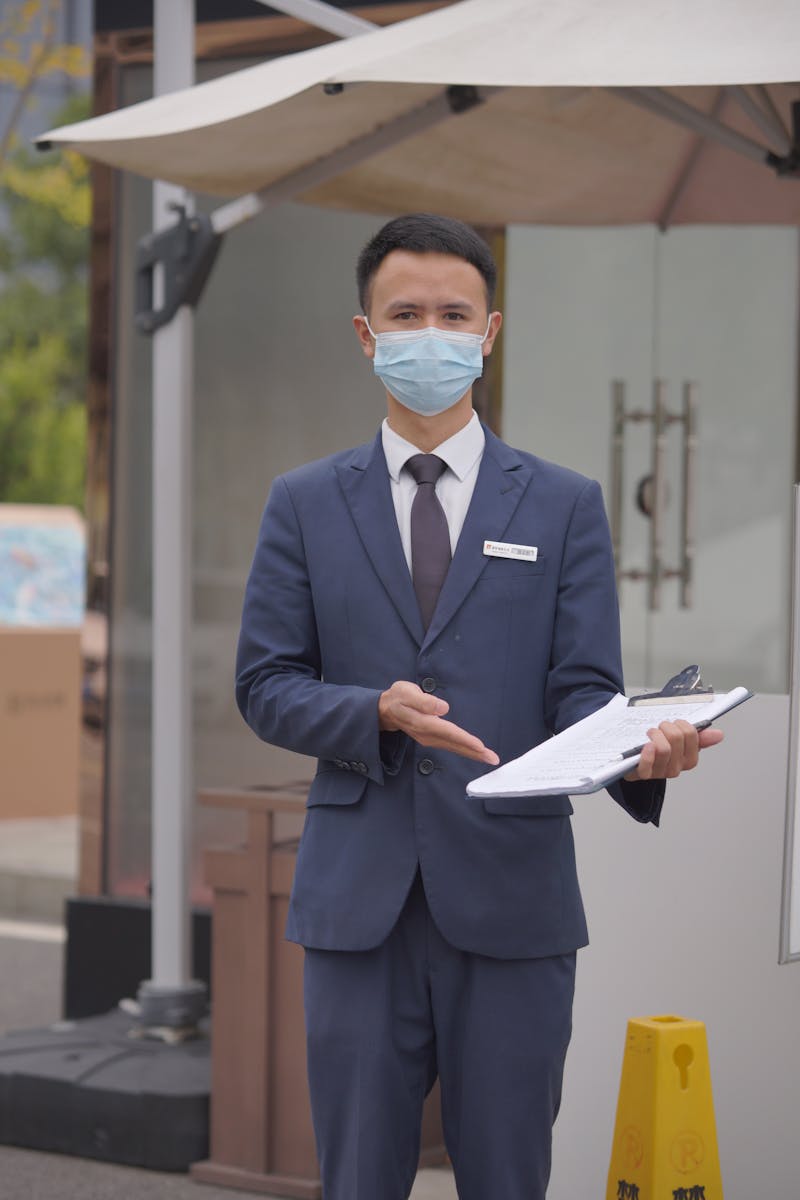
(501, 483)
(367, 490)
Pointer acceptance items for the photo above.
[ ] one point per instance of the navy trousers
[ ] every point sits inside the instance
(382, 1025)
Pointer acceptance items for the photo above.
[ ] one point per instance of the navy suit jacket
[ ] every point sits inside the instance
(518, 649)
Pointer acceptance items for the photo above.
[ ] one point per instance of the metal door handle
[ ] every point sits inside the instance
(617, 459)
(661, 418)
(687, 492)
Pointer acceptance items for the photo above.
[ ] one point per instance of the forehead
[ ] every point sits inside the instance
(410, 276)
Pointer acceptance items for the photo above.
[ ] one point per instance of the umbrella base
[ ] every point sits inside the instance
(89, 1088)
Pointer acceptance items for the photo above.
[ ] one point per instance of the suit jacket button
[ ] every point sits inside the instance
(428, 684)
(425, 766)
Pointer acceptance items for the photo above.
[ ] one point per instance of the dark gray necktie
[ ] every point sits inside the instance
(430, 537)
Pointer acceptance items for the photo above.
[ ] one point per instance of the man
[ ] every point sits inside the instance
(380, 636)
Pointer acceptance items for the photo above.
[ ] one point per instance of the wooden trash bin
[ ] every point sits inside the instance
(261, 1138)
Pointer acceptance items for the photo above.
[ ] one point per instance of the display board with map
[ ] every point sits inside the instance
(42, 566)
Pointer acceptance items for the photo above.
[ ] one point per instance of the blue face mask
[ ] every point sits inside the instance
(428, 370)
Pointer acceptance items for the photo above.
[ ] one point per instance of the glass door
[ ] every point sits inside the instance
(716, 307)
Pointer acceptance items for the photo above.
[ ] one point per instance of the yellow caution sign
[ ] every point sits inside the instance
(665, 1138)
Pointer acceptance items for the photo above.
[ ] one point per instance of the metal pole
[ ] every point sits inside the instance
(686, 565)
(441, 108)
(171, 998)
(324, 16)
(666, 104)
(617, 458)
(766, 119)
(656, 517)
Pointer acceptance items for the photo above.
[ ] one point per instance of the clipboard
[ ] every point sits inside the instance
(686, 687)
(606, 745)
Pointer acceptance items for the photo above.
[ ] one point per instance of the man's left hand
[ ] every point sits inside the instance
(673, 747)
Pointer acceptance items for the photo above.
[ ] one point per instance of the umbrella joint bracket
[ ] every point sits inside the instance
(185, 253)
(786, 166)
(462, 97)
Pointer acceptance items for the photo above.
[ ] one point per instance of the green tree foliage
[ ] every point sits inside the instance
(44, 243)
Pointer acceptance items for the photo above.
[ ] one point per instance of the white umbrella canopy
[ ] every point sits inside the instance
(555, 145)
(583, 43)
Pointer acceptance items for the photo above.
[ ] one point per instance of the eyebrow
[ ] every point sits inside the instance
(450, 306)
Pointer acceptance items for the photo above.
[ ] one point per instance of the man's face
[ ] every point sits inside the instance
(410, 291)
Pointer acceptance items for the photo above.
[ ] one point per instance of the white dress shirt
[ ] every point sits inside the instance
(462, 453)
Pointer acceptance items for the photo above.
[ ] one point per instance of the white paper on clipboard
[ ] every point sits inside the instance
(599, 749)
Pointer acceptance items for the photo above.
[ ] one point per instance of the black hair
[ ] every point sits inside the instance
(425, 233)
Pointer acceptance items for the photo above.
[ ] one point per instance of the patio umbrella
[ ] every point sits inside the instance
(500, 111)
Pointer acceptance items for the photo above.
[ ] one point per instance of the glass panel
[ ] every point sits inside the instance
(579, 313)
(279, 380)
(728, 319)
(717, 306)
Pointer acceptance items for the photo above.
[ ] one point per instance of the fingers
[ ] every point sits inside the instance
(444, 735)
(672, 748)
(669, 746)
(432, 730)
(406, 707)
(403, 700)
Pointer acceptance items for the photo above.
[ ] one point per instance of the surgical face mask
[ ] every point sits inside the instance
(428, 370)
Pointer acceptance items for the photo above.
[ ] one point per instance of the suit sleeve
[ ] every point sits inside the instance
(585, 669)
(279, 689)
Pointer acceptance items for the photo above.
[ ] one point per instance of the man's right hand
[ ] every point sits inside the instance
(406, 707)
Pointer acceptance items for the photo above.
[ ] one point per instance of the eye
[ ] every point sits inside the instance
(409, 315)
(454, 316)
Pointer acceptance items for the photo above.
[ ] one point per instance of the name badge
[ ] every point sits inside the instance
(510, 550)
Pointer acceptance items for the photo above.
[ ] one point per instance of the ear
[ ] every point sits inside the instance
(495, 321)
(364, 336)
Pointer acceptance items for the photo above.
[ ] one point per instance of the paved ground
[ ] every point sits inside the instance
(28, 1176)
(38, 867)
(37, 864)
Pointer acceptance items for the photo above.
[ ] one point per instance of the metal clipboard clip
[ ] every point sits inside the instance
(684, 688)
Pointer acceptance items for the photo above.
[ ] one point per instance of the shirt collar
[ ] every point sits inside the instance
(460, 452)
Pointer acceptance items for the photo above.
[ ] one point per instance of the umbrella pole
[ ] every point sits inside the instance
(171, 999)
(324, 16)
